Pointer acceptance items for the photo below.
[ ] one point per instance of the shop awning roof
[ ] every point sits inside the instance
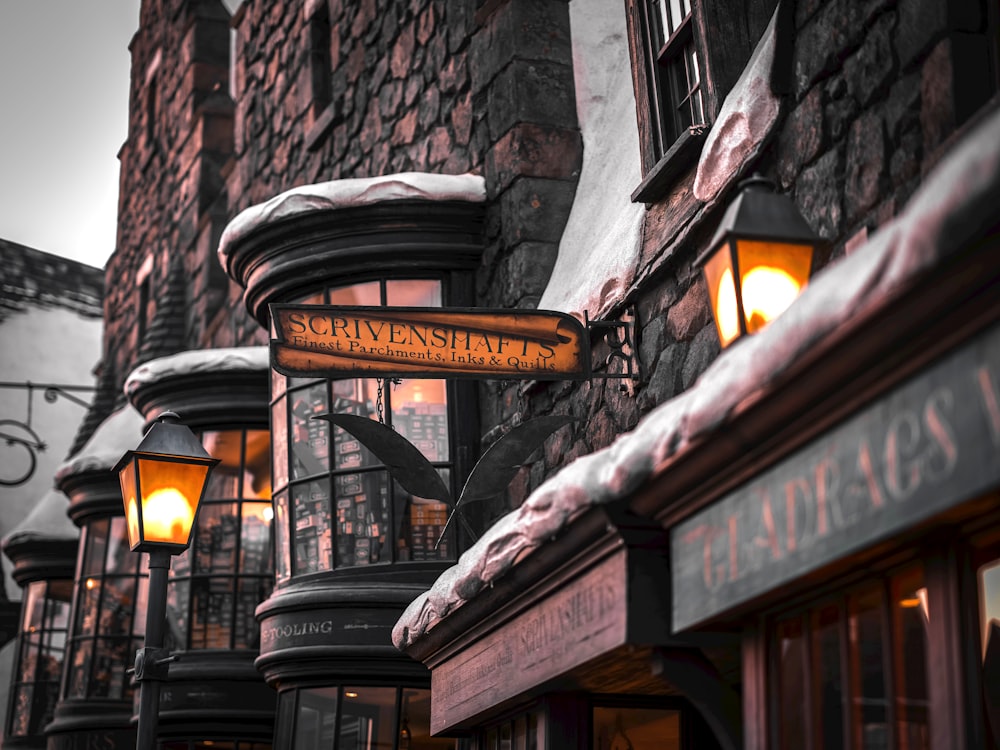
(956, 205)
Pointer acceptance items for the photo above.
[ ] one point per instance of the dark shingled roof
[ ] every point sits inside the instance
(32, 278)
(165, 335)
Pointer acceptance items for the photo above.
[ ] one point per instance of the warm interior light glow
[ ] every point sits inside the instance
(132, 518)
(351, 694)
(909, 603)
(167, 516)
(725, 308)
(767, 292)
(268, 513)
(90, 584)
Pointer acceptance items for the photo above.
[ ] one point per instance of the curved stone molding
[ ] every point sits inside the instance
(336, 630)
(39, 557)
(329, 196)
(118, 433)
(318, 236)
(206, 387)
(86, 478)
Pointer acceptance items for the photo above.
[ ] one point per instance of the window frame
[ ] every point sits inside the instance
(740, 23)
(43, 691)
(885, 584)
(189, 575)
(85, 630)
(285, 480)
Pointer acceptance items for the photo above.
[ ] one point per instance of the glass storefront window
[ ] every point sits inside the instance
(214, 744)
(217, 583)
(791, 668)
(910, 616)
(336, 506)
(357, 717)
(867, 648)
(881, 701)
(827, 688)
(40, 655)
(108, 614)
(988, 583)
(637, 728)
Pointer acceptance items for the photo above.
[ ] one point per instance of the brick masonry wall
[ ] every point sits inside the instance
(418, 86)
(180, 136)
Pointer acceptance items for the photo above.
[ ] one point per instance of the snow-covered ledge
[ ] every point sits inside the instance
(197, 362)
(955, 205)
(346, 193)
(47, 520)
(118, 433)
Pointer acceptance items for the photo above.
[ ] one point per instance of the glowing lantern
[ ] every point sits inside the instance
(758, 261)
(163, 481)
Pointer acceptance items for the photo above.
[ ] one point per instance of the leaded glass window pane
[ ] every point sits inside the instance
(40, 655)
(111, 586)
(342, 511)
(217, 583)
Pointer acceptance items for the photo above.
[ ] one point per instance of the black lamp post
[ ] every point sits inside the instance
(163, 481)
(759, 260)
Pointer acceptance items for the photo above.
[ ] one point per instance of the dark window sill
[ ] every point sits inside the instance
(665, 172)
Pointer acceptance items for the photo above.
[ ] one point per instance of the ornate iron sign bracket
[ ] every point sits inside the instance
(619, 336)
(20, 437)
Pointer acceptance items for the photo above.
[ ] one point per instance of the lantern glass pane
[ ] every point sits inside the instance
(772, 274)
(126, 478)
(722, 294)
(171, 491)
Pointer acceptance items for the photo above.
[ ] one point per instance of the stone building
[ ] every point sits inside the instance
(685, 563)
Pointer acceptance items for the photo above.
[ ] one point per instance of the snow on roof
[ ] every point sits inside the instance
(48, 519)
(600, 247)
(327, 196)
(955, 205)
(115, 435)
(233, 359)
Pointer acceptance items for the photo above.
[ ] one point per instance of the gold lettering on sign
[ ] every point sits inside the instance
(991, 401)
(908, 447)
(332, 339)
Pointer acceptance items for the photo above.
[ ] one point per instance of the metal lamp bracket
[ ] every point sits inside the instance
(151, 664)
(620, 337)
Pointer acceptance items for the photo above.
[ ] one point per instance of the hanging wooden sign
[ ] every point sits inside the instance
(342, 341)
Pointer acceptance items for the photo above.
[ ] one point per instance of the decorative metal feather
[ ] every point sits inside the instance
(405, 463)
(500, 463)
(489, 477)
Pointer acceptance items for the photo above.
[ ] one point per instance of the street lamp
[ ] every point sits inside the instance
(163, 481)
(758, 261)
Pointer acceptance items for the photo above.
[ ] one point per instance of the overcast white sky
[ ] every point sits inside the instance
(64, 83)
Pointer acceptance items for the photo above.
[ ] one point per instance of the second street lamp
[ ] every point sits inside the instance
(163, 481)
(759, 260)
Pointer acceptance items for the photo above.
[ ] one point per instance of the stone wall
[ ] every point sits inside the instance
(878, 88)
(426, 86)
(327, 89)
(179, 138)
